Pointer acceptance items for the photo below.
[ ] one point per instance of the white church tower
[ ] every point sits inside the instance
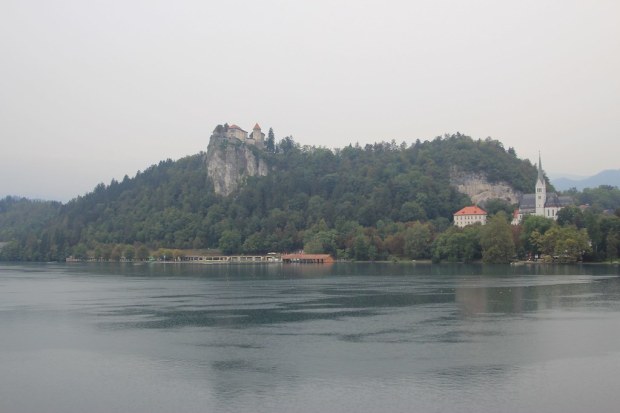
(541, 191)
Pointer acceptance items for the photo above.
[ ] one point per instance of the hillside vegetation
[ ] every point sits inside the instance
(21, 216)
(372, 202)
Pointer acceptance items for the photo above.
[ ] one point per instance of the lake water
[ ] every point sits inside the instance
(309, 338)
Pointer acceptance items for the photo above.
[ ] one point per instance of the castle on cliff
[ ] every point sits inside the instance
(231, 157)
(235, 133)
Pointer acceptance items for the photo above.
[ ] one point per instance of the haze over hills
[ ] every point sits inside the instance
(252, 197)
(608, 177)
(225, 199)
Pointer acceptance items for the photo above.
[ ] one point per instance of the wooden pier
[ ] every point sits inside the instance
(228, 259)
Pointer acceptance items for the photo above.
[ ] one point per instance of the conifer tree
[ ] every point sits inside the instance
(270, 144)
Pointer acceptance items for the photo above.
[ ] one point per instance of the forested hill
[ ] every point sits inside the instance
(349, 194)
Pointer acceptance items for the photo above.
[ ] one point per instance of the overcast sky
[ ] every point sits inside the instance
(92, 90)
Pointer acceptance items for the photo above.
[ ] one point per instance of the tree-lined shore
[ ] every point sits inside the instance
(385, 201)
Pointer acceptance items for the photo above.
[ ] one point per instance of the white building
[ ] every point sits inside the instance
(470, 215)
(541, 203)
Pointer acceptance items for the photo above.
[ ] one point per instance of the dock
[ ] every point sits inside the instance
(307, 258)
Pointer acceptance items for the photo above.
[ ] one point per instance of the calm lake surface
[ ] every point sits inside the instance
(309, 338)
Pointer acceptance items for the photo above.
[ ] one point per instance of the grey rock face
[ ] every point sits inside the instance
(479, 189)
(230, 162)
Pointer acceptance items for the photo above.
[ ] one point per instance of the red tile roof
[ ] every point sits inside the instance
(256, 126)
(471, 210)
(308, 257)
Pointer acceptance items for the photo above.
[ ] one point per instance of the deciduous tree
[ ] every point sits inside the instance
(496, 240)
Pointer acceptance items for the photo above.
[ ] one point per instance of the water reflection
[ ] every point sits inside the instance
(484, 300)
(363, 337)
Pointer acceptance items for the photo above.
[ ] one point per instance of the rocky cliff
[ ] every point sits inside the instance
(479, 189)
(230, 162)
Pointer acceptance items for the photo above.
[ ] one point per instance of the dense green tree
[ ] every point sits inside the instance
(395, 244)
(493, 206)
(129, 252)
(21, 216)
(412, 211)
(417, 241)
(496, 240)
(571, 215)
(533, 227)
(117, 253)
(270, 143)
(472, 249)
(360, 248)
(10, 252)
(98, 253)
(321, 242)
(567, 244)
(613, 246)
(142, 253)
(458, 244)
(449, 245)
(230, 241)
(609, 235)
(80, 252)
(106, 252)
(593, 226)
(604, 197)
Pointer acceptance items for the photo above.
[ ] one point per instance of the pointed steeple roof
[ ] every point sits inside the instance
(256, 126)
(541, 176)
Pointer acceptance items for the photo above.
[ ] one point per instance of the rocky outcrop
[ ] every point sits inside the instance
(479, 189)
(231, 162)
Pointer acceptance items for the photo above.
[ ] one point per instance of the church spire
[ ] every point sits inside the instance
(541, 190)
(541, 176)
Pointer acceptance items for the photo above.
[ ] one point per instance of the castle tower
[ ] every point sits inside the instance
(541, 190)
(258, 136)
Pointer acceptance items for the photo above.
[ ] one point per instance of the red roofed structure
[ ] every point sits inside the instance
(235, 132)
(307, 258)
(470, 215)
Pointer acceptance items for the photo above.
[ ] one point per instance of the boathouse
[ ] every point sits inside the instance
(307, 258)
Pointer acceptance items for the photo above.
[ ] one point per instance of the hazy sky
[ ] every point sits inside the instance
(92, 90)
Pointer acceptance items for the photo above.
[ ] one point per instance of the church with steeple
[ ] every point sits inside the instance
(541, 203)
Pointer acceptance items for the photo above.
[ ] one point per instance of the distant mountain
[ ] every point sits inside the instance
(608, 177)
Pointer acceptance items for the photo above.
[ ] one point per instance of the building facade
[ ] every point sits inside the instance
(235, 132)
(255, 138)
(540, 203)
(470, 215)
